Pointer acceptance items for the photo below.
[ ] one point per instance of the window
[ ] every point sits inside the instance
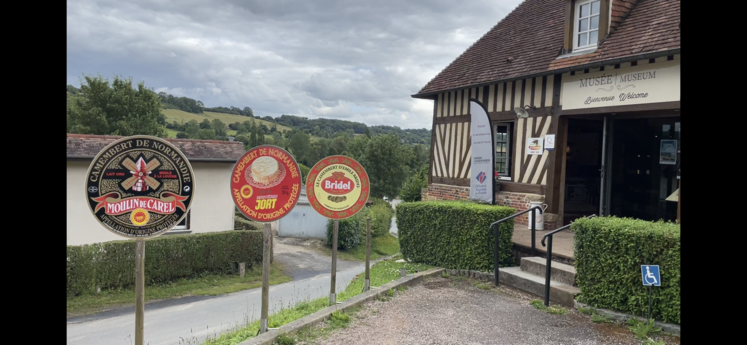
(503, 149)
(183, 226)
(586, 24)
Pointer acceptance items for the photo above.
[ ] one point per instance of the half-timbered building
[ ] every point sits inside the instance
(599, 80)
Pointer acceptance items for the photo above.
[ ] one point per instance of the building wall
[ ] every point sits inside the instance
(517, 201)
(212, 210)
(303, 221)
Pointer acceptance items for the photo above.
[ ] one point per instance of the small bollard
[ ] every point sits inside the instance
(242, 269)
(402, 272)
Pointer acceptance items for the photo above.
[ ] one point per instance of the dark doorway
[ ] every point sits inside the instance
(643, 171)
(582, 164)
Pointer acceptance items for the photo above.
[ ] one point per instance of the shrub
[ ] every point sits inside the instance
(111, 265)
(304, 172)
(413, 186)
(240, 223)
(381, 219)
(350, 231)
(609, 252)
(454, 234)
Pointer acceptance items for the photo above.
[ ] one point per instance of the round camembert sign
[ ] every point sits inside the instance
(140, 186)
(265, 183)
(337, 187)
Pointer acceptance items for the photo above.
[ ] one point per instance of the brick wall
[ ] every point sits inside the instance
(518, 201)
(437, 191)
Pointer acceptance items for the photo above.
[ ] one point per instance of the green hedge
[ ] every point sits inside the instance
(609, 252)
(454, 234)
(111, 265)
(350, 231)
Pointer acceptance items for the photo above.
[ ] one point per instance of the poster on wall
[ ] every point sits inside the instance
(550, 142)
(668, 152)
(483, 155)
(534, 146)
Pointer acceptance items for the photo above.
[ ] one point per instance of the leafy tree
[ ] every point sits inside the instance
(358, 148)
(244, 139)
(205, 124)
(299, 146)
(182, 135)
(115, 109)
(386, 165)
(191, 128)
(206, 134)
(411, 190)
(220, 128)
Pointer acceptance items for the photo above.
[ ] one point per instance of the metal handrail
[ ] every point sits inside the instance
(549, 257)
(498, 233)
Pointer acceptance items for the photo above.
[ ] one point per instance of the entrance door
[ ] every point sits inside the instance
(642, 171)
(583, 162)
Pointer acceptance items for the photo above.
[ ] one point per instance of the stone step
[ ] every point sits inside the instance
(560, 293)
(559, 272)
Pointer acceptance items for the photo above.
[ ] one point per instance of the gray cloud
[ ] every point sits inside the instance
(353, 60)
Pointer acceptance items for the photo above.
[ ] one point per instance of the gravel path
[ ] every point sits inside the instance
(444, 311)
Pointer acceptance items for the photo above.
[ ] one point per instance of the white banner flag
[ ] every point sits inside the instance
(483, 155)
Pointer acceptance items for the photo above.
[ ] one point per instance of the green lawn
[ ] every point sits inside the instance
(381, 273)
(383, 245)
(210, 285)
(179, 116)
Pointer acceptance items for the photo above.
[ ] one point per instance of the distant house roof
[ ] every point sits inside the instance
(86, 146)
(529, 40)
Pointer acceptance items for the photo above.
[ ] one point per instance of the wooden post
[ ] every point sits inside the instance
(242, 269)
(679, 194)
(265, 278)
(139, 290)
(334, 262)
(367, 282)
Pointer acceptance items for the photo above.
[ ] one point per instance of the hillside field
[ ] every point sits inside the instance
(179, 116)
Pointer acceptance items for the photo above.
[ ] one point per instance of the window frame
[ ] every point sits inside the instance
(509, 148)
(576, 18)
(181, 229)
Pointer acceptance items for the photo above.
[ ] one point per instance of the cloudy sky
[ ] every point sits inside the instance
(357, 60)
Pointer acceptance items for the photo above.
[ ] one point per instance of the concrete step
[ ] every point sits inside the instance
(560, 293)
(559, 272)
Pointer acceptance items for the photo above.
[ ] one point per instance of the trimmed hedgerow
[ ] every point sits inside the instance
(111, 265)
(454, 234)
(609, 252)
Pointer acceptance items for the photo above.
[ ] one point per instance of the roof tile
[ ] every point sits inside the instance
(88, 146)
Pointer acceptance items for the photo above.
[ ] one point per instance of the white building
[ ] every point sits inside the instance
(212, 210)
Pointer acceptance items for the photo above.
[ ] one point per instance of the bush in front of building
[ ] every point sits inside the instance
(111, 265)
(350, 231)
(609, 252)
(454, 234)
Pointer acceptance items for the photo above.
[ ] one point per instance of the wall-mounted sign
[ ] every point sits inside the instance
(265, 183)
(550, 142)
(337, 187)
(140, 186)
(534, 146)
(642, 84)
(483, 173)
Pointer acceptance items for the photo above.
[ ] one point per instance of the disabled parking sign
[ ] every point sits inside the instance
(650, 275)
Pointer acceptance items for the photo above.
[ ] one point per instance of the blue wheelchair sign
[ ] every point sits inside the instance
(650, 275)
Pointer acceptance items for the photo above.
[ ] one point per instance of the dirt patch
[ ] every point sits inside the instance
(458, 310)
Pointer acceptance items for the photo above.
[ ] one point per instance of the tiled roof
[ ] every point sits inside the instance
(88, 146)
(531, 38)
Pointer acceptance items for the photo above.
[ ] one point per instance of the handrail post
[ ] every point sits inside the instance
(534, 221)
(497, 234)
(547, 272)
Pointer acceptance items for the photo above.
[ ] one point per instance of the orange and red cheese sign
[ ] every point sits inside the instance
(337, 187)
(265, 183)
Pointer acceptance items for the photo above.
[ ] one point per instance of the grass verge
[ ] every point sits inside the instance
(383, 245)
(210, 285)
(550, 310)
(381, 273)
